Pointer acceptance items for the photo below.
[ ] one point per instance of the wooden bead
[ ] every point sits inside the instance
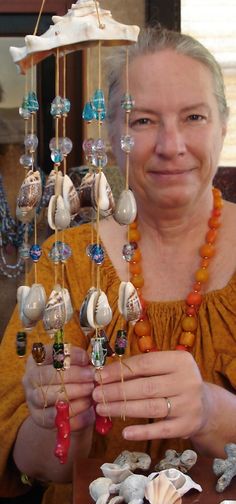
(137, 281)
(214, 223)
(194, 298)
(136, 256)
(189, 324)
(207, 250)
(135, 268)
(211, 236)
(142, 327)
(145, 343)
(187, 339)
(134, 235)
(202, 275)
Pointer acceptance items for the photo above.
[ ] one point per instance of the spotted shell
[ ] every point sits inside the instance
(55, 310)
(30, 192)
(128, 302)
(95, 192)
(70, 196)
(49, 188)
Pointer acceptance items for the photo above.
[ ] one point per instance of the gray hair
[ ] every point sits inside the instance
(154, 39)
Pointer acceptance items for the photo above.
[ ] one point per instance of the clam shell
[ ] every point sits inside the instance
(58, 215)
(133, 487)
(128, 302)
(98, 487)
(83, 312)
(35, 302)
(70, 196)
(115, 472)
(134, 460)
(55, 311)
(182, 482)
(126, 208)
(30, 192)
(161, 491)
(99, 312)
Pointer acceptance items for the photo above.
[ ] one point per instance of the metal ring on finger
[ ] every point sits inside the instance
(168, 404)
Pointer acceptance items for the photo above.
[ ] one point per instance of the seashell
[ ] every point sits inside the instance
(70, 196)
(24, 216)
(49, 188)
(22, 293)
(118, 499)
(134, 460)
(115, 472)
(182, 482)
(126, 208)
(182, 461)
(98, 487)
(161, 491)
(83, 312)
(55, 311)
(58, 215)
(133, 487)
(35, 302)
(99, 312)
(30, 192)
(68, 304)
(128, 302)
(102, 195)
(103, 499)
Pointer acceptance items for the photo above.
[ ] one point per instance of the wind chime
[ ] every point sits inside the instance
(64, 202)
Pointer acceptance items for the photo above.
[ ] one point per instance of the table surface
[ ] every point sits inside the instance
(86, 470)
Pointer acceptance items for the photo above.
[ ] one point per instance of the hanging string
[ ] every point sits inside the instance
(100, 25)
(127, 119)
(39, 17)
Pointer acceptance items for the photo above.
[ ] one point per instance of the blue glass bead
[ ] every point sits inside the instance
(96, 252)
(121, 342)
(60, 251)
(56, 156)
(99, 100)
(88, 113)
(66, 106)
(100, 115)
(57, 107)
(35, 252)
(127, 102)
(33, 105)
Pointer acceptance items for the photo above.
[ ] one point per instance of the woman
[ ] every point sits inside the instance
(172, 397)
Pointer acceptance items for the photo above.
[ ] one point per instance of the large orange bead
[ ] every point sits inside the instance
(218, 203)
(135, 268)
(137, 281)
(133, 225)
(207, 250)
(214, 223)
(145, 343)
(187, 339)
(216, 192)
(136, 256)
(134, 235)
(202, 275)
(142, 327)
(211, 236)
(194, 298)
(189, 324)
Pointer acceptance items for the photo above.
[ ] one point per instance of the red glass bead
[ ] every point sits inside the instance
(103, 425)
(197, 286)
(213, 223)
(191, 310)
(194, 298)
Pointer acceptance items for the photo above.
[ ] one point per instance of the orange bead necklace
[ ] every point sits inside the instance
(142, 328)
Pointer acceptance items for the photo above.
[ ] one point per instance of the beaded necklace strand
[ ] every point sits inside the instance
(142, 328)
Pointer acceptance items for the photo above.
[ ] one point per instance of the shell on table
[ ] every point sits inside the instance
(133, 487)
(58, 215)
(129, 304)
(160, 490)
(99, 487)
(115, 472)
(54, 316)
(70, 196)
(134, 460)
(99, 312)
(126, 208)
(35, 302)
(182, 482)
(30, 192)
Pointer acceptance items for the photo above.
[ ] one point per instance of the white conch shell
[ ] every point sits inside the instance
(99, 486)
(126, 208)
(22, 293)
(35, 302)
(134, 460)
(103, 499)
(161, 491)
(115, 472)
(70, 196)
(128, 302)
(55, 311)
(99, 312)
(83, 312)
(30, 192)
(75, 30)
(58, 215)
(103, 197)
(133, 487)
(182, 482)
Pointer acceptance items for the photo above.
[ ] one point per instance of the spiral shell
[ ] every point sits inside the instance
(70, 196)
(30, 192)
(128, 302)
(55, 310)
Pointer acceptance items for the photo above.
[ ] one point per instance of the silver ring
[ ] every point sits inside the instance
(168, 404)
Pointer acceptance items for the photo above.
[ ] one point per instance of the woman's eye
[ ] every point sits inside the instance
(196, 117)
(142, 121)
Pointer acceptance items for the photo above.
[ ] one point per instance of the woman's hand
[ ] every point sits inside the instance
(165, 386)
(44, 385)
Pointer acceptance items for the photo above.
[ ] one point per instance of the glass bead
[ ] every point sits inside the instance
(128, 251)
(33, 105)
(26, 160)
(214, 222)
(35, 252)
(38, 352)
(121, 342)
(66, 106)
(100, 115)
(98, 354)
(24, 112)
(56, 156)
(99, 146)
(88, 113)
(96, 252)
(194, 298)
(88, 145)
(58, 355)
(21, 341)
(127, 103)
(24, 251)
(31, 142)
(57, 107)
(126, 143)
(211, 236)
(99, 160)
(135, 268)
(66, 145)
(60, 251)
(99, 100)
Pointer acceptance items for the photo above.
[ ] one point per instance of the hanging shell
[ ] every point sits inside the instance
(128, 302)
(35, 302)
(161, 491)
(68, 304)
(30, 192)
(25, 217)
(99, 312)
(58, 215)
(83, 312)
(126, 208)
(70, 196)
(102, 195)
(115, 472)
(49, 188)
(55, 311)
(22, 293)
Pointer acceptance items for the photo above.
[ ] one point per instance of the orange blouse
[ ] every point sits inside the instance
(214, 351)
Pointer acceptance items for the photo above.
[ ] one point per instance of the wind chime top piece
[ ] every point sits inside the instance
(85, 24)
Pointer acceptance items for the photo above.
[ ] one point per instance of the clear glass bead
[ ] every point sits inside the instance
(24, 113)
(31, 142)
(88, 145)
(60, 251)
(99, 146)
(126, 143)
(66, 106)
(26, 160)
(99, 160)
(128, 251)
(57, 107)
(56, 156)
(66, 145)
(127, 102)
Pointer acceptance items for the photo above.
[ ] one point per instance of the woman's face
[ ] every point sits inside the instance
(176, 126)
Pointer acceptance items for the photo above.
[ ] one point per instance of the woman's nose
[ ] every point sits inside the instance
(170, 141)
